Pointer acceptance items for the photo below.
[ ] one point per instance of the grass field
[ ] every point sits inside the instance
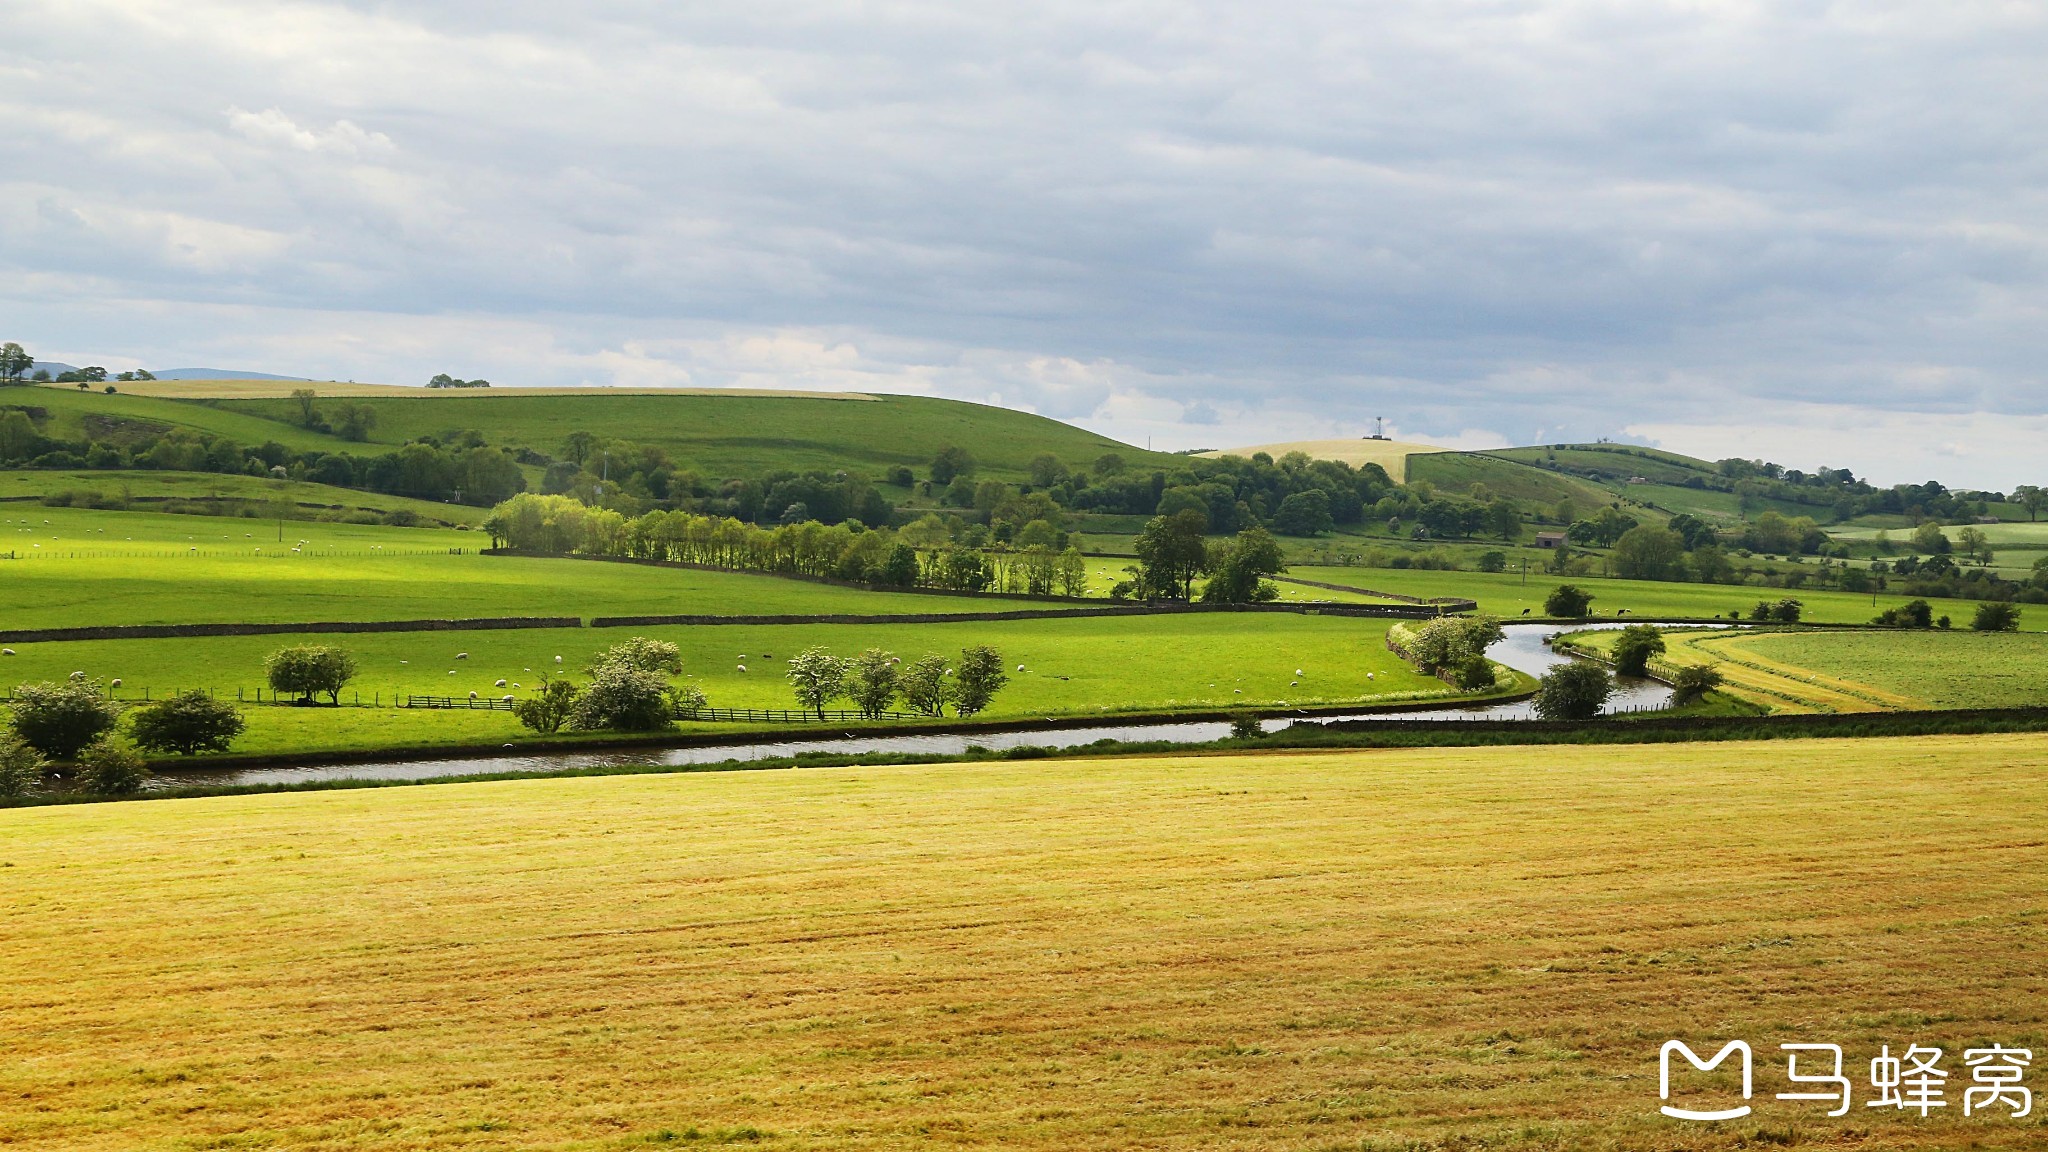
(1454, 949)
(307, 501)
(1931, 669)
(1089, 667)
(1504, 594)
(1390, 455)
(78, 567)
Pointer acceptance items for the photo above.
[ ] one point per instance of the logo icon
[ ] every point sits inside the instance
(1691, 1057)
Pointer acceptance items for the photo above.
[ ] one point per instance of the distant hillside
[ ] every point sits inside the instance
(1391, 455)
(718, 433)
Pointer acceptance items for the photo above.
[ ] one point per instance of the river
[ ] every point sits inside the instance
(1522, 649)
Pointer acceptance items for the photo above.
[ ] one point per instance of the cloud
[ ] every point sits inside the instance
(1495, 221)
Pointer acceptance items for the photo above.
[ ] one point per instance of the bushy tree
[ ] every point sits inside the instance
(1304, 513)
(58, 720)
(1568, 600)
(106, 768)
(1238, 573)
(924, 687)
(1245, 726)
(978, 678)
(1634, 648)
(1996, 616)
(1647, 552)
(950, 464)
(20, 767)
(1574, 691)
(1692, 682)
(1912, 614)
(188, 723)
(817, 678)
(623, 698)
(309, 670)
(550, 708)
(1171, 551)
(1493, 561)
(1448, 641)
(643, 654)
(873, 682)
(1475, 673)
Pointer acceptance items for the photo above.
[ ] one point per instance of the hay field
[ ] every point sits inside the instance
(1447, 949)
(1391, 455)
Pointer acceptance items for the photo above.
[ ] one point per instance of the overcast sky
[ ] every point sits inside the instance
(1809, 231)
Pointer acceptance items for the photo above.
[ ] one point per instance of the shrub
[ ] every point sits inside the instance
(1787, 611)
(687, 700)
(59, 719)
(1913, 614)
(189, 723)
(108, 769)
(1635, 646)
(308, 670)
(979, 678)
(1493, 561)
(923, 686)
(1574, 691)
(1246, 726)
(1568, 600)
(550, 708)
(873, 682)
(1692, 682)
(1475, 673)
(1448, 641)
(623, 698)
(20, 767)
(644, 655)
(1996, 616)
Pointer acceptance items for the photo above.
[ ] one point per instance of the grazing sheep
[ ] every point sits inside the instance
(743, 667)
(6, 651)
(114, 683)
(508, 699)
(78, 675)
(499, 684)
(472, 695)
(558, 659)
(462, 655)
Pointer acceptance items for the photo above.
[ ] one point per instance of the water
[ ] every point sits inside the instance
(1522, 649)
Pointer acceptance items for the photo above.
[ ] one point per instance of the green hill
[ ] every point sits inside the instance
(1463, 472)
(719, 434)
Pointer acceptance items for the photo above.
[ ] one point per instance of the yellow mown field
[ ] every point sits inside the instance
(1465, 949)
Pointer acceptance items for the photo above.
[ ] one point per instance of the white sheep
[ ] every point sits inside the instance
(6, 651)
(462, 655)
(499, 684)
(472, 695)
(508, 699)
(114, 683)
(558, 659)
(743, 667)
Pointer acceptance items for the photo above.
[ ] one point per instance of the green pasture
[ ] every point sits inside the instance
(70, 414)
(2015, 535)
(1072, 668)
(258, 495)
(1505, 595)
(1460, 471)
(77, 567)
(1942, 669)
(736, 435)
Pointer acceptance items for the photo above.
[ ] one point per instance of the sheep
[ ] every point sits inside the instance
(743, 667)
(472, 695)
(114, 683)
(558, 659)
(462, 655)
(508, 700)
(499, 684)
(6, 651)
(78, 675)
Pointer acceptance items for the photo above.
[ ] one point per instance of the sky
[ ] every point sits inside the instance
(1811, 232)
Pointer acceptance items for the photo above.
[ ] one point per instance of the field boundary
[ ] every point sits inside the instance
(1447, 603)
(170, 631)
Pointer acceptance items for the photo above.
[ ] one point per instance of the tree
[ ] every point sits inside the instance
(188, 723)
(818, 678)
(1692, 530)
(18, 437)
(923, 685)
(1504, 519)
(1646, 552)
(1574, 691)
(1912, 614)
(308, 414)
(309, 670)
(950, 464)
(1634, 647)
(2031, 497)
(1930, 539)
(1569, 601)
(1238, 576)
(623, 697)
(1304, 513)
(1475, 674)
(1493, 561)
(643, 655)
(1787, 611)
(549, 709)
(20, 767)
(1692, 682)
(1974, 544)
(59, 719)
(353, 421)
(14, 362)
(1171, 551)
(978, 678)
(1448, 641)
(872, 682)
(1046, 470)
(1996, 616)
(105, 768)
(1070, 574)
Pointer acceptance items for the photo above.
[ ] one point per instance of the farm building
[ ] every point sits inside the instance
(1550, 539)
